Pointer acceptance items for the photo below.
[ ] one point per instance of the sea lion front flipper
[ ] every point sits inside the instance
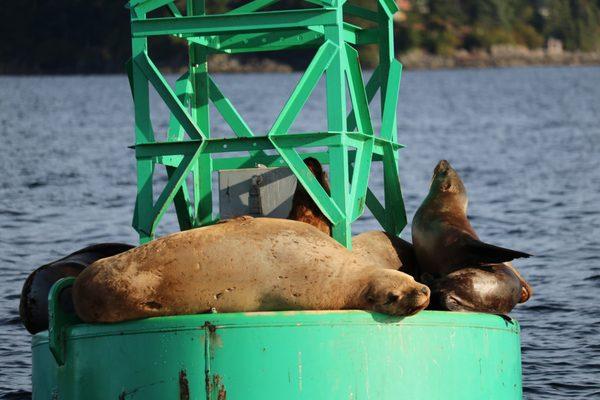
(480, 253)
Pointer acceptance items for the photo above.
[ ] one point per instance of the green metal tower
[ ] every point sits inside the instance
(350, 140)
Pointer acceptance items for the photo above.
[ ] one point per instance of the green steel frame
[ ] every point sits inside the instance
(352, 145)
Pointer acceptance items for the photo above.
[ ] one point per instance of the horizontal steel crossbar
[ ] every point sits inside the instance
(238, 23)
(281, 39)
(228, 145)
(240, 162)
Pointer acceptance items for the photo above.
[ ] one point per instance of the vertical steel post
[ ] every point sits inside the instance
(143, 134)
(200, 110)
(336, 121)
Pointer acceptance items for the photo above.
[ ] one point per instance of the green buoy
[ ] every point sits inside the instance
(279, 355)
(285, 355)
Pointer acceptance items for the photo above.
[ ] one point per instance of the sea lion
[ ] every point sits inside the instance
(33, 307)
(443, 238)
(445, 242)
(386, 251)
(381, 248)
(304, 208)
(246, 264)
(489, 288)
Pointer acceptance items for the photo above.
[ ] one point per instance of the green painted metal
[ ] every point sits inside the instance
(57, 335)
(285, 355)
(350, 141)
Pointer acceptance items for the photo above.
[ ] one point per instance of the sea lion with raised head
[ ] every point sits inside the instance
(304, 208)
(246, 264)
(33, 308)
(445, 242)
(443, 238)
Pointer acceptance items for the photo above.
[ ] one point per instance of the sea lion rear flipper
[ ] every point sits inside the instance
(484, 253)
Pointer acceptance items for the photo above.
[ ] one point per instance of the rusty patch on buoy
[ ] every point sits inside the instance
(222, 393)
(184, 386)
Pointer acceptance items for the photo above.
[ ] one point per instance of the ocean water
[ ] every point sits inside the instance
(525, 141)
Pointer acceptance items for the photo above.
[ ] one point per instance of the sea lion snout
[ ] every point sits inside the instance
(446, 179)
(441, 166)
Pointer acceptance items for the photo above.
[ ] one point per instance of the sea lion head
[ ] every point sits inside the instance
(491, 289)
(395, 293)
(317, 169)
(446, 182)
(445, 179)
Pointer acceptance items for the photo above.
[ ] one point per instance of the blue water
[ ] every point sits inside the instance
(526, 142)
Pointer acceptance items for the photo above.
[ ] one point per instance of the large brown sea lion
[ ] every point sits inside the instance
(33, 307)
(245, 264)
(445, 242)
(304, 208)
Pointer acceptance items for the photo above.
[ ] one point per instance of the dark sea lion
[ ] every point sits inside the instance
(490, 288)
(304, 209)
(443, 238)
(33, 307)
(243, 265)
(450, 254)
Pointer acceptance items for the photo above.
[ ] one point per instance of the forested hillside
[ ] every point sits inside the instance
(442, 26)
(91, 36)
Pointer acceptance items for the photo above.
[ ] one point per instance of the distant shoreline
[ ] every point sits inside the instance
(498, 57)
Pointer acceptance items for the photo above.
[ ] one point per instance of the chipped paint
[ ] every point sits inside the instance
(218, 385)
(184, 386)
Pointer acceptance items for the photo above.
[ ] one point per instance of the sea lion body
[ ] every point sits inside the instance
(448, 250)
(386, 251)
(491, 288)
(242, 265)
(33, 307)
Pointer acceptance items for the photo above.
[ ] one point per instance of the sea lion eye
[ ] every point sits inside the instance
(392, 298)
